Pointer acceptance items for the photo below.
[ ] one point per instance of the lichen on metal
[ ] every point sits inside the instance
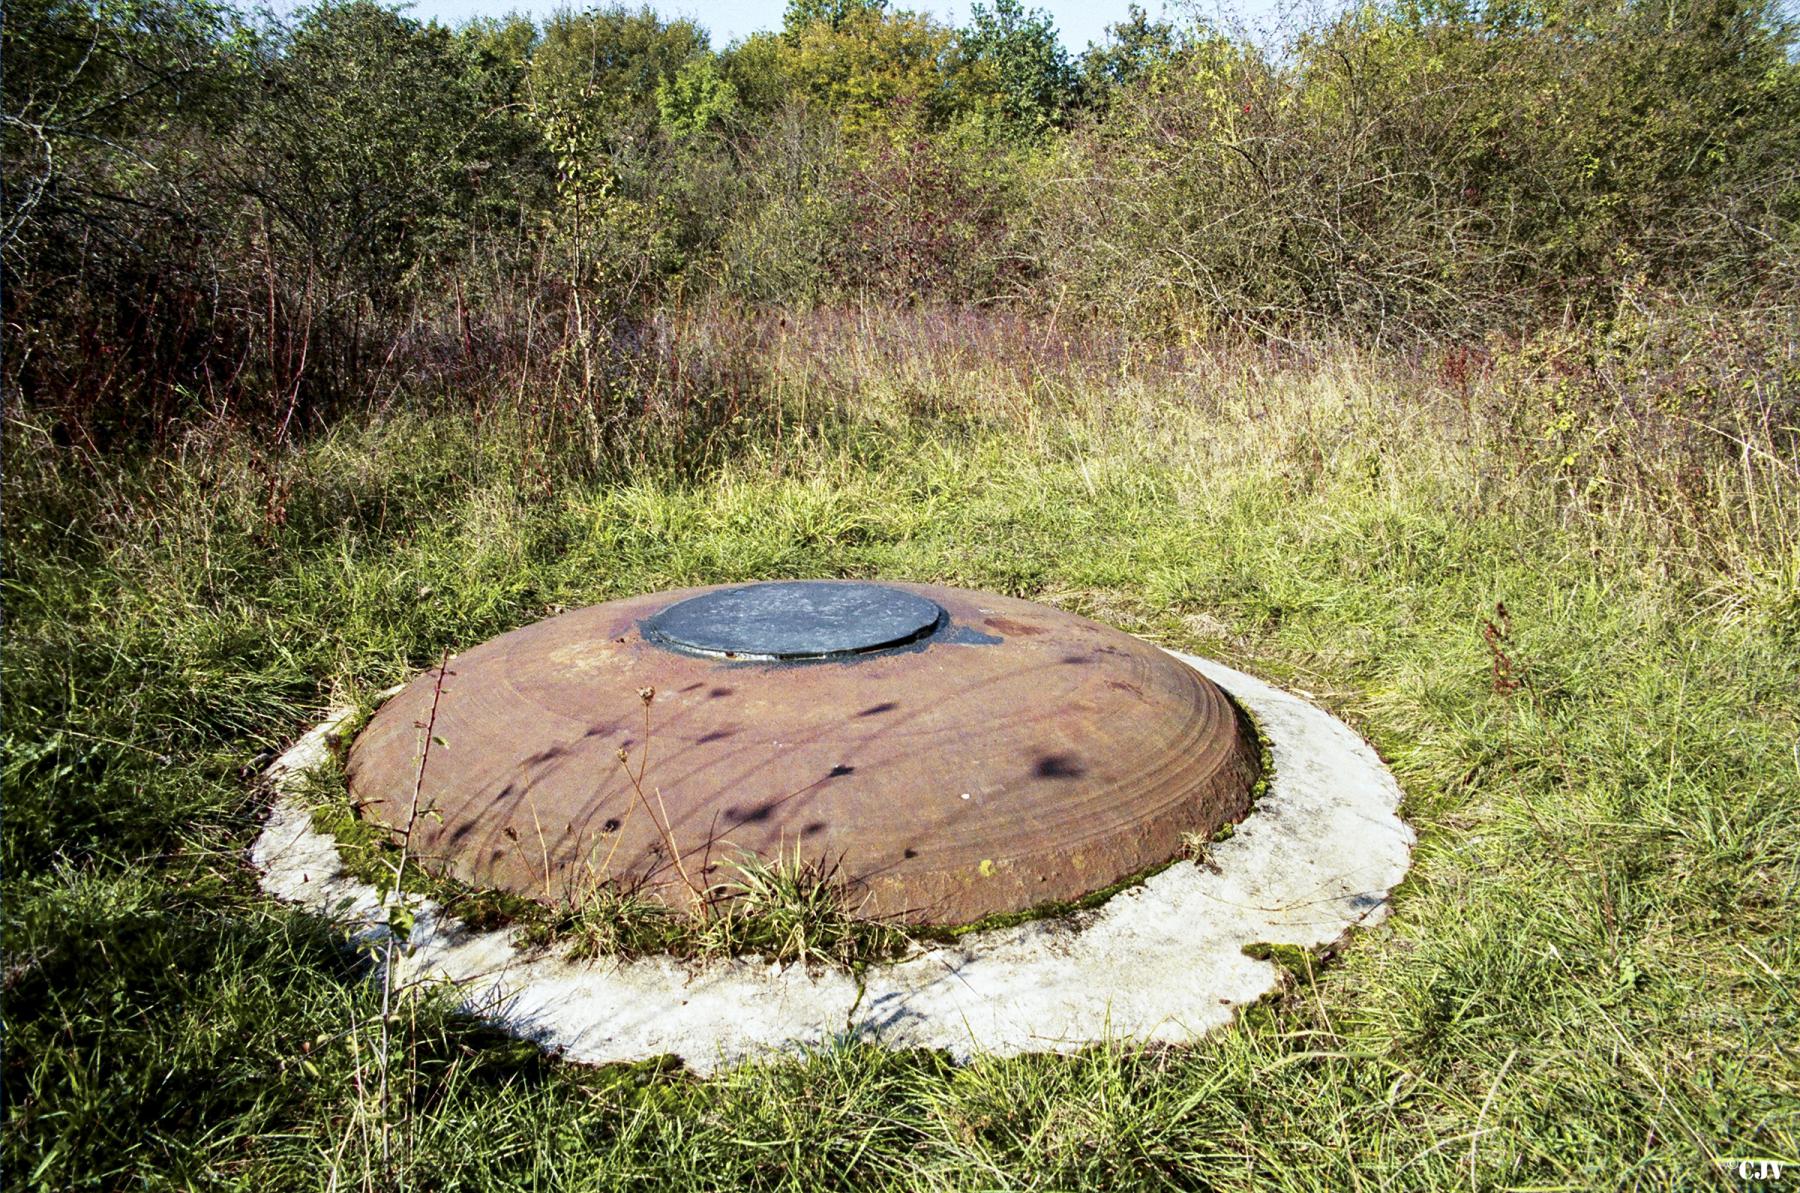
(950, 754)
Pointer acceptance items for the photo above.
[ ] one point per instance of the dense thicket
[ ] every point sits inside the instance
(211, 216)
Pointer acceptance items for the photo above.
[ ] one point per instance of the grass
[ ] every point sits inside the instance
(1588, 981)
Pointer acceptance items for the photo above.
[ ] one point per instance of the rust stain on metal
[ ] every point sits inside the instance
(1015, 756)
(1006, 625)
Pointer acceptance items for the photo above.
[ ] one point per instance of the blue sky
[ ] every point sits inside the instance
(1079, 22)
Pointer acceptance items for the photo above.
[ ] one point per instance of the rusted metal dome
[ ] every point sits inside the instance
(952, 754)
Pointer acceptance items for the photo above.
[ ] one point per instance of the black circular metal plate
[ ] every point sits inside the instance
(795, 619)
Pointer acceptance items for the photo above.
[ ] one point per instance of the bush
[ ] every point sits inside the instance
(1403, 172)
(267, 224)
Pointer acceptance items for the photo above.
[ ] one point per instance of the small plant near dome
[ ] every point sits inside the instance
(795, 911)
(790, 911)
(610, 921)
(1197, 848)
(648, 696)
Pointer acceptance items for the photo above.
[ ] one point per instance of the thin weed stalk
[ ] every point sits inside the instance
(400, 919)
(648, 695)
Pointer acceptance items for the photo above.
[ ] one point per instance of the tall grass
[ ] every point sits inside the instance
(1588, 980)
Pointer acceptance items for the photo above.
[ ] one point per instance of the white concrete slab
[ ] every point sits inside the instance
(1162, 961)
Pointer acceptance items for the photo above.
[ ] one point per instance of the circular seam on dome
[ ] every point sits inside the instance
(1160, 962)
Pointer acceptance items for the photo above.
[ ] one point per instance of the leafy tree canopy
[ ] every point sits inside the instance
(832, 13)
(1020, 65)
(874, 69)
(1134, 49)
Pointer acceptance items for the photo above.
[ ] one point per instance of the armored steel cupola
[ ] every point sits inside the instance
(951, 754)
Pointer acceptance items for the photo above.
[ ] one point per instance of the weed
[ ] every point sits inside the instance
(795, 910)
(608, 921)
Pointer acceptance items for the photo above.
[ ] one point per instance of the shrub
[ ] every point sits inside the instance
(1406, 172)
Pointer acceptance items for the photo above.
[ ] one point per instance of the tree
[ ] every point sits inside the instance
(1134, 49)
(354, 175)
(875, 70)
(602, 69)
(756, 68)
(94, 97)
(357, 157)
(108, 151)
(833, 14)
(1020, 64)
(695, 98)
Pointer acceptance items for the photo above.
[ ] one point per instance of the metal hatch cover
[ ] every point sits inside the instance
(795, 619)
